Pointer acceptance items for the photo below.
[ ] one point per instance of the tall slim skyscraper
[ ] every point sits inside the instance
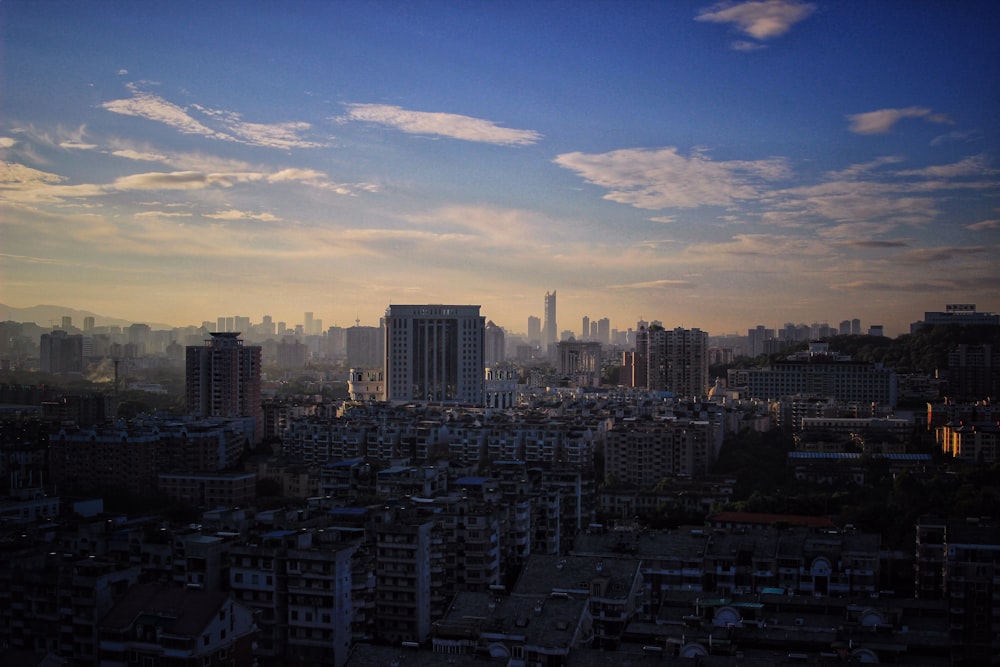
(551, 329)
(434, 353)
(223, 378)
(585, 328)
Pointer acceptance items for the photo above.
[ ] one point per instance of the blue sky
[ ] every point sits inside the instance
(708, 165)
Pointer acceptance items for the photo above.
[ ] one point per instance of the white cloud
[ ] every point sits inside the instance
(14, 173)
(233, 214)
(883, 120)
(152, 107)
(76, 145)
(144, 104)
(661, 178)
(762, 20)
(130, 154)
(442, 124)
(7, 142)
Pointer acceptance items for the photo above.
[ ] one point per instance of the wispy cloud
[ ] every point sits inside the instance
(654, 284)
(761, 20)
(146, 105)
(883, 120)
(661, 178)
(233, 214)
(984, 225)
(231, 126)
(441, 124)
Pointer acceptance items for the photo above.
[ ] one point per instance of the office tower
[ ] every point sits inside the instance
(534, 329)
(241, 323)
(434, 353)
(593, 330)
(845, 328)
(88, 323)
(60, 352)
(585, 328)
(267, 326)
(551, 330)
(223, 378)
(678, 361)
(856, 327)
(67, 322)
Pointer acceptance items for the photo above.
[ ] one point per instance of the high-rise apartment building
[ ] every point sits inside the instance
(60, 352)
(585, 328)
(604, 331)
(364, 346)
(434, 353)
(551, 329)
(223, 379)
(677, 361)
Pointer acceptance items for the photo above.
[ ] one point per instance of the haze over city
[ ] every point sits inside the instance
(707, 165)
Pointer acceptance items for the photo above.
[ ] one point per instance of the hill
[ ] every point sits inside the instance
(45, 316)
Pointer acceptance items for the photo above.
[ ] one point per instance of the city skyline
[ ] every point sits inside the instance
(712, 166)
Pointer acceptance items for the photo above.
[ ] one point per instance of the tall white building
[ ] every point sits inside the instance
(434, 353)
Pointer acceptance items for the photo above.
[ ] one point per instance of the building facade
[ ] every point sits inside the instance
(223, 379)
(434, 353)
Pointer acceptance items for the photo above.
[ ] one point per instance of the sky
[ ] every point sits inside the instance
(710, 165)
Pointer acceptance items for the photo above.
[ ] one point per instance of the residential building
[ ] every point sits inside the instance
(60, 352)
(677, 361)
(193, 627)
(223, 379)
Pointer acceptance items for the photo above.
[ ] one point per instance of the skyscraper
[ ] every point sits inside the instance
(434, 353)
(585, 328)
(223, 378)
(551, 329)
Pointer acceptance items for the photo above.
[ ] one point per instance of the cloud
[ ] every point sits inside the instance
(7, 142)
(984, 225)
(743, 45)
(762, 20)
(661, 178)
(665, 219)
(136, 155)
(878, 286)
(922, 256)
(958, 136)
(233, 214)
(450, 125)
(14, 173)
(76, 145)
(975, 165)
(872, 244)
(654, 284)
(883, 120)
(144, 104)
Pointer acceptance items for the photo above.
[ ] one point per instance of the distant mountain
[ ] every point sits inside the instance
(45, 316)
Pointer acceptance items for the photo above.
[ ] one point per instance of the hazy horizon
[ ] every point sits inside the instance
(710, 165)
